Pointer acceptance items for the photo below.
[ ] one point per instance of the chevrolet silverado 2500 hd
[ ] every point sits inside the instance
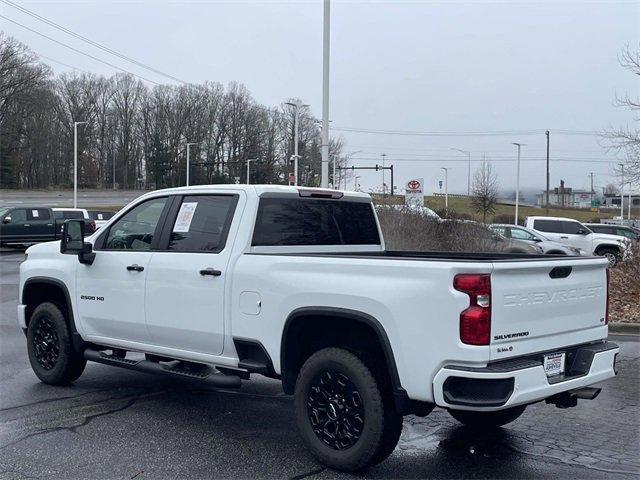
(217, 283)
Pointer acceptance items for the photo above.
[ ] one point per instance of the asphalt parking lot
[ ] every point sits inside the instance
(114, 423)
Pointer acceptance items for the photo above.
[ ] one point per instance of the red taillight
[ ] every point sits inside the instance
(606, 311)
(475, 321)
(93, 225)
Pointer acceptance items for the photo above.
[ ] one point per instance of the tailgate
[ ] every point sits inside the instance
(542, 305)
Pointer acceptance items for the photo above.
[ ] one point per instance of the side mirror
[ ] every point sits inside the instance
(582, 231)
(72, 241)
(537, 239)
(6, 219)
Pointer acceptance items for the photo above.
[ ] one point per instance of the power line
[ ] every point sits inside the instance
(78, 51)
(490, 159)
(91, 42)
(61, 63)
(487, 133)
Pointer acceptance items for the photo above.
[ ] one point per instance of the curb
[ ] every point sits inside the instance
(624, 328)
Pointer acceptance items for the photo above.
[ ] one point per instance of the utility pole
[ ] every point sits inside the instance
(324, 177)
(113, 164)
(249, 160)
(591, 196)
(355, 182)
(188, 158)
(446, 189)
(547, 192)
(75, 162)
(296, 126)
(384, 188)
(519, 145)
(622, 192)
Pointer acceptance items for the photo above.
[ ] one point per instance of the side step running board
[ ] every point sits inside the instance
(205, 373)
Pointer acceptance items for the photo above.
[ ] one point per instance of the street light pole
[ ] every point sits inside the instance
(468, 168)
(296, 127)
(324, 177)
(249, 160)
(446, 189)
(519, 145)
(75, 162)
(188, 157)
(355, 182)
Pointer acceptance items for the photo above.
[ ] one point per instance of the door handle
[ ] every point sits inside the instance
(135, 268)
(210, 271)
(27, 225)
(566, 238)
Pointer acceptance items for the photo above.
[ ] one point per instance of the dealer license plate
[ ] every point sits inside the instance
(554, 364)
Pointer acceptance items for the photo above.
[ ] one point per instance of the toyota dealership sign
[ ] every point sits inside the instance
(414, 192)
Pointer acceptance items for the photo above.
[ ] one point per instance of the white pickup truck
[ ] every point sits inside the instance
(215, 283)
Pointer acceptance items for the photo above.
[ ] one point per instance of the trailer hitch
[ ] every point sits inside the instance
(570, 398)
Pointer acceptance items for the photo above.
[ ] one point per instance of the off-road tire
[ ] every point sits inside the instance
(68, 364)
(381, 426)
(488, 419)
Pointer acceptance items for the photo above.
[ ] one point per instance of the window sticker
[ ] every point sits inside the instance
(185, 216)
(100, 217)
(34, 213)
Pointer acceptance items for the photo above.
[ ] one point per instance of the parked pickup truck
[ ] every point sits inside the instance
(217, 283)
(25, 225)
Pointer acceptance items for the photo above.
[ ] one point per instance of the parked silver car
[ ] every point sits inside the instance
(524, 234)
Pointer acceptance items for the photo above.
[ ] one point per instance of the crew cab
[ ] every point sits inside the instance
(218, 283)
(573, 233)
(26, 225)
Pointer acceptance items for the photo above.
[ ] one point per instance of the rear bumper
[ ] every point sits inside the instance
(522, 380)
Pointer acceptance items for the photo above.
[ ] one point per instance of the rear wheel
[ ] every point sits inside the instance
(487, 419)
(50, 347)
(342, 412)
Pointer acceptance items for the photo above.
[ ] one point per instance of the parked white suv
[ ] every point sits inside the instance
(571, 232)
(217, 283)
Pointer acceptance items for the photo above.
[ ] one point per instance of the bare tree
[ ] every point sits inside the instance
(485, 190)
(626, 140)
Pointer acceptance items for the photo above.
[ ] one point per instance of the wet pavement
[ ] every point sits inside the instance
(114, 423)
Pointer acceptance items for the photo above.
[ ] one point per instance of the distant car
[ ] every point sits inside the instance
(571, 232)
(100, 217)
(549, 247)
(61, 214)
(620, 230)
(421, 210)
(499, 242)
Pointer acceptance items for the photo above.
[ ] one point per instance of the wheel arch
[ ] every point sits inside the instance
(37, 290)
(607, 246)
(292, 354)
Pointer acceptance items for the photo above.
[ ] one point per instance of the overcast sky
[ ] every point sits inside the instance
(416, 66)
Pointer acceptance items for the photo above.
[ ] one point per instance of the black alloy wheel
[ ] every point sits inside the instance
(46, 344)
(335, 410)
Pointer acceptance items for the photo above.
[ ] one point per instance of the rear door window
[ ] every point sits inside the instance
(573, 228)
(295, 221)
(521, 234)
(551, 226)
(202, 223)
(38, 214)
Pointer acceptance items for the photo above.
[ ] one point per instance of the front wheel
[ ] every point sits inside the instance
(611, 256)
(344, 416)
(50, 347)
(488, 419)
